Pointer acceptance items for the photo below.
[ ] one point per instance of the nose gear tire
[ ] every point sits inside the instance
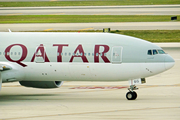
(131, 95)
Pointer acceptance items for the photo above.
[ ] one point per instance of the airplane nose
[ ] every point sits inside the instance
(169, 62)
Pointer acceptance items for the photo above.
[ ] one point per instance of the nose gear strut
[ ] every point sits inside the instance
(132, 95)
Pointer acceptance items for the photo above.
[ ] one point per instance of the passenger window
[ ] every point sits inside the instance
(14, 53)
(69, 54)
(97, 54)
(84, 54)
(161, 52)
(89, 54)
(155, 52)
(149, 52)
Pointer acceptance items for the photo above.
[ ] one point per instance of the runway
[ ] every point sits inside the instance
(158, 99)
(94, 10)
(91, 26)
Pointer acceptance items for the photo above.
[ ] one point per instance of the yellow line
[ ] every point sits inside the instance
(53, 0)
(177, 85)
(57, 14)
(48, 29)
(87, 29)
(15, 14)
(102, 14)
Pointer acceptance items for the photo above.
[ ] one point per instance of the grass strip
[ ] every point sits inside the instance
(83, 18)
(153, 35)
(149, 35)
(88, 3)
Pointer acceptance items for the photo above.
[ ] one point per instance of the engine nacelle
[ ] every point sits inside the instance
(42, 84)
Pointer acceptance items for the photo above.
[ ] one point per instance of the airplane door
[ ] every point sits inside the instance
(116, 54)
(40, 54)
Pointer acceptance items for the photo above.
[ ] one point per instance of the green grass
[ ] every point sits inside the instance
(153, 35)
(88, 3)
(83, 18)
(149, 35)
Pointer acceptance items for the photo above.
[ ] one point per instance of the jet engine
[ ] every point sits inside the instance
(42, 84)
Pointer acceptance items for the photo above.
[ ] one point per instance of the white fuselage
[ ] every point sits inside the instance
(78, 57)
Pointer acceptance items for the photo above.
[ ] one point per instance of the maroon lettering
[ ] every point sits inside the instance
(97, 53)
(60, 47)
(24, 54)
(43, 54)
(81, 51)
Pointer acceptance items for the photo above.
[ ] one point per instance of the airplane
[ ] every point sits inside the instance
(46, 59)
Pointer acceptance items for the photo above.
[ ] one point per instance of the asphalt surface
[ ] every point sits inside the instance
(91, 26)
(94, 10)
(158, 99)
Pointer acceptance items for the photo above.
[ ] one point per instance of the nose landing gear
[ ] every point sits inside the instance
(131, 95)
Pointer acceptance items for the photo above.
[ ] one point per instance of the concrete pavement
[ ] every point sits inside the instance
(94, 10)
(91, 26)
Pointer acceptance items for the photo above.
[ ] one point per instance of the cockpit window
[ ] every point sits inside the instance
(155, 52)
(161, 52)
(149, 52)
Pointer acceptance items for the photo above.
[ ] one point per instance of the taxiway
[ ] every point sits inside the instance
(94, 10)
(91, 26)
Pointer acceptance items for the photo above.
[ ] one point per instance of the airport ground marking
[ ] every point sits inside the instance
(103, 87)
(86, 29)
(99, 87)
(48, 29)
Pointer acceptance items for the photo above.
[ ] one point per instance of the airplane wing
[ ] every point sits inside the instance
(3, 67)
